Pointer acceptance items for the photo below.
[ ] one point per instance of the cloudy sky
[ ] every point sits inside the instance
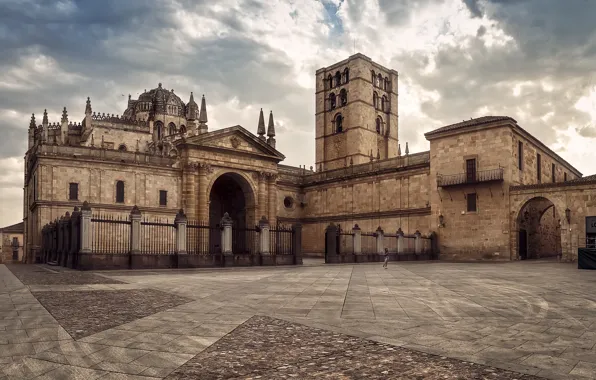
(533, 60)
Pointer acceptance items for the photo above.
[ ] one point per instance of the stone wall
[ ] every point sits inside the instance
(6, 247)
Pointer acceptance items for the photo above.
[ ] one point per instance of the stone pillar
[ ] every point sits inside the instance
(226, 234)
(264, 243)
(380, 237)
(180, 222)
(297, 243)
(74, 236)
(135, 231)
(65, 239)
(86, 233)
(189, 191)
(272, 199)
(331, 243)
(400, 241)
(357, 239)
(418, 242)
(203, 198)
(262, 196)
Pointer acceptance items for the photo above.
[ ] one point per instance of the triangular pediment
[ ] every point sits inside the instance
(236, 139)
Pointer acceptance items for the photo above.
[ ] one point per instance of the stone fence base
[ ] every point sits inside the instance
(375, 258)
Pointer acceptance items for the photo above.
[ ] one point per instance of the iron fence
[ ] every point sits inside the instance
(111, 234)
(158, 237)
(409, 244)
(244, 240)
(426, 245)
(280, 240)
(199, 237)
(369, 242)
(390, 242)
(346, 242)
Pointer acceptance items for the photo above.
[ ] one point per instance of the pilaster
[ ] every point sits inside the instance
(189, 191)
(262, 195)
(272, 199)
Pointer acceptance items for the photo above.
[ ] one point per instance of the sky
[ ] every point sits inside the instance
(533, 60)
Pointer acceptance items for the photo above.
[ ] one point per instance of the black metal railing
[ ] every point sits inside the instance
(245, 240)
(158, 237)
(280, 240)
(390, 242)
(368, 242)
(478, 176)
(199, 236)
(111, 234)
(346, 241)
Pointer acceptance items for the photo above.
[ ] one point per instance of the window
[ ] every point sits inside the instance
(73, 192)
(288, 202)
(339, 120)
(387, 86)
(538, 167)
(119, 191)
(520, 155)
(329, 81)
(375, 100)
(122, 148)
(163, 198)
(159, 129)
(564, 177)
(337, 79)
(332, 101)
(172, 128)
(182, 129)
(384, 103)
(379, 80)
(343, 97)
(471, 170)
(346, 75)
(374, 78)
(553, 173)
(35, 187)
(471, 200)
(379, 123)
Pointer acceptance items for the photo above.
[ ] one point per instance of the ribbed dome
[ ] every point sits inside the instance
(158, 100)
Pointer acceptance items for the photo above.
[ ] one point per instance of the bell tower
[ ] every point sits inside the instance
(356, 113)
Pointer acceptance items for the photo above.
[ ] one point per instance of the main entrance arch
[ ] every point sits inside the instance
(539, 229)
(233, 194)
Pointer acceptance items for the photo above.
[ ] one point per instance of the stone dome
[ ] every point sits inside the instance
(158, 101)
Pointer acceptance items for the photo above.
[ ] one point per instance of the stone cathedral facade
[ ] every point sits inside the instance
(486, 187)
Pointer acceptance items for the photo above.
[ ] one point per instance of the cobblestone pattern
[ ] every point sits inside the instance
(265, 347)
(100, 310)
(46, 275)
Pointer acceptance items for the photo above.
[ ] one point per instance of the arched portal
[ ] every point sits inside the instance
(539, 232)
(233, 194)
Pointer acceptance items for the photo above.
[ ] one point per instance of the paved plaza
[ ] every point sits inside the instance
(440, 320)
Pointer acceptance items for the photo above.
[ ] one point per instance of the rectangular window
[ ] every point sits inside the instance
(119, 191)
(553, 172)
(564, 177)
(73, 192)
(163, 198)
(471, 198)
(538, 167)
(520, 155)
(471, 170)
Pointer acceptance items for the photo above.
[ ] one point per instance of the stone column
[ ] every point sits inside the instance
(418, 242)
(226, 234)
(272, 199)
(264, 244)
(180, 222)
(86, 233)
(357, 239)
(400, 241)
(189, 191)
(262, 196)
(380, 237)
(135, 231)
(203, 198)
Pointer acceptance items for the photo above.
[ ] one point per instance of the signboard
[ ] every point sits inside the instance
(590, 224)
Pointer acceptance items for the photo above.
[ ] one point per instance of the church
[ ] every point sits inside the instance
(487, 188)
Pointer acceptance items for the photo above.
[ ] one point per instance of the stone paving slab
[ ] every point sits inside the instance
(269, 348)
(49, 275)
(83, 313)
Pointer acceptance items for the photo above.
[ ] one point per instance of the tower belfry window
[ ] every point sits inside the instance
(339, 123)
(337, 79)
(346, 75)
(379, 124)
(332, 101)
(343, 97)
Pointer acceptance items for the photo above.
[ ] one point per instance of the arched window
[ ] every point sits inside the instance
(172, 129)
(332, 101)
(329, 81)
(375, 100)
(182, 129)
(346, 75)
(379, 80)
(374, 78)
(119, 191)
(337, 79)
(379, 125)
(384, 103)
(122, 148)
(159, 129)
(339, 121)
(386, 85)
(343, 97)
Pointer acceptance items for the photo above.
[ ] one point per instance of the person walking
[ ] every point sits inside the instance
(386, 258)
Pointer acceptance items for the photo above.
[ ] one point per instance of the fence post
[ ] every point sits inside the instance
(380, 236)
(357, 239)
(226, 234)
(264, 243)
(74, 236)
(65, 239)
(330, 242)
(418, 242)
(297, 243)
(180, 222)
(135, 231)
(86, 233)
(400, 241)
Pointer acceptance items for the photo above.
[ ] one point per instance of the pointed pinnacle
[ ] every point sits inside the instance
(203, 112)
(32, 123)
(45, 116)
(271, 125)
(261, 125)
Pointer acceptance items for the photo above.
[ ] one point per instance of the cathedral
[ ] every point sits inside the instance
(487, 188)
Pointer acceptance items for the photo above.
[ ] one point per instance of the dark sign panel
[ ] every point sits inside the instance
(590, 224)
